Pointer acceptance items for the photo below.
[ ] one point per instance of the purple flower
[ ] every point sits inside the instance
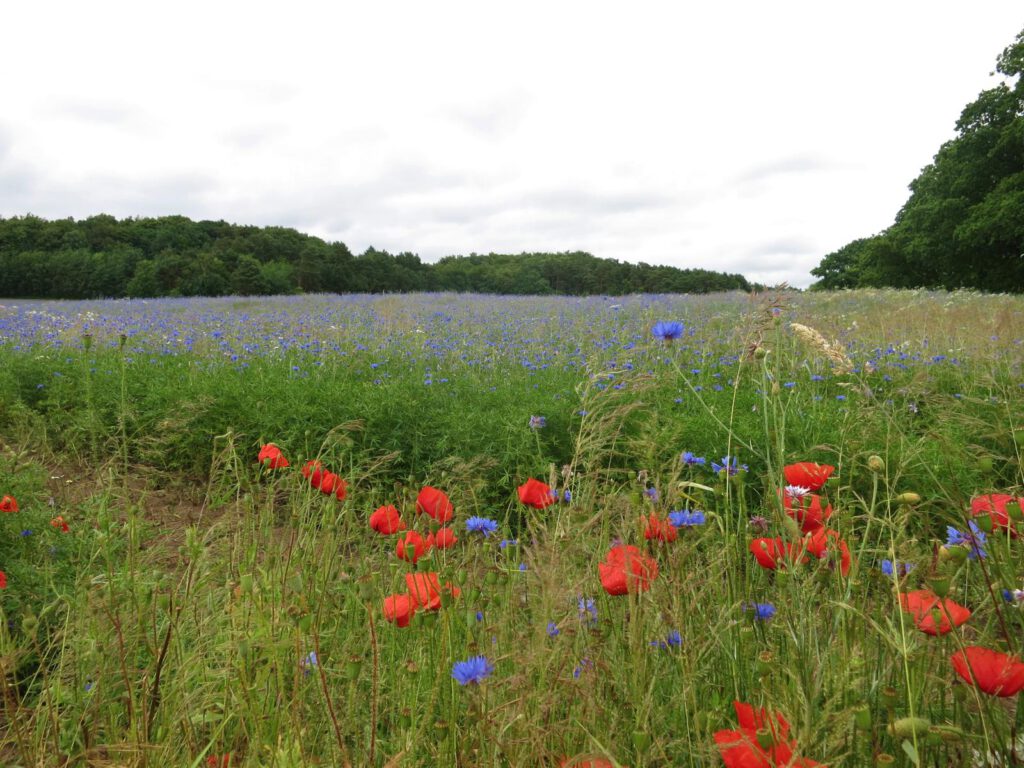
(667, 331)
(761, 611)
(691, 460)
(473, 670)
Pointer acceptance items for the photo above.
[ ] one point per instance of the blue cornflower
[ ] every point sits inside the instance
(582, 667)
(667, 331)
(685, 518)
(26, 532)
(651, 493)
(553, 630)
(973, 539)
(730, 464)
(309, 662)
(473, 670)
(479, 616)
(890, 568)
(672, 640)
(482, 525)
(692, 460)
(538, 422)
(762, 611)
(587, 609)
(508, 543)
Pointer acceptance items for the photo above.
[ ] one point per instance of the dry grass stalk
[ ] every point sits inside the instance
(840, 362)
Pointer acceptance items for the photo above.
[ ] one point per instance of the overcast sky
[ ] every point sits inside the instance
(750, 137)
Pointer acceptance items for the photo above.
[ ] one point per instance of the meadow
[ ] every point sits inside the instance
(458, 530)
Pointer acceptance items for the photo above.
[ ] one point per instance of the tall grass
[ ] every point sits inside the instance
(245, 618)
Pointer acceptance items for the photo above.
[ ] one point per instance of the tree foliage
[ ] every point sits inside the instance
(103, 257)
(963, 225)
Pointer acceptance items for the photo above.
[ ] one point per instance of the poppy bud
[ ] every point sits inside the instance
(352, 667)
(947, 732)
(246, 583)
(765, 661)
(243, 648)
(890, 697)
(884, 758)
(940, 585)
(405, 717)
(641, 741)
(765, 739)
(957, 554)
(29, 624)
(876, 463)
(985, 464)
(909, 498)
(1015, 509)
(909, 727)
(862, 717)
(87, 341)
(776, 388)
(984, 522)
(792, 527)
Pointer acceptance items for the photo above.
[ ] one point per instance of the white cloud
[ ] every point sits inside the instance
(743, 136)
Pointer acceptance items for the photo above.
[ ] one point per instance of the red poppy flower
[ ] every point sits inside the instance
(3, 580)
(444, 538)
(314, 472)
(412, 546)
(807, 474)
(994, 505)
(927, 608)
(425, 589)
(660, 530)
(221, 761)
(386, 520)
(807, 510)
(823, 541)
(59, 524)
(340, 489)
(993, 672)
(534, 493)
(398, 609)
(626, 569)
(8, 504)
(434, 503)
(329, 483)
(271, 457)
(742, 748)
(776, 553)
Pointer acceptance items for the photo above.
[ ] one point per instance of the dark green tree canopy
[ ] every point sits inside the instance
(963, 225)
(102, 257)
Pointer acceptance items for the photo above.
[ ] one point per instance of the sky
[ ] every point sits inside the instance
(750, 137)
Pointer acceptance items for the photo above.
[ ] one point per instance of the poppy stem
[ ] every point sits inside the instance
(373, 690)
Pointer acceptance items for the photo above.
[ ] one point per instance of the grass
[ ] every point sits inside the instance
(202, 606)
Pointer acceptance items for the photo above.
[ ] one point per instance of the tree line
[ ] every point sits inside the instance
(104, 257)
(963, 225)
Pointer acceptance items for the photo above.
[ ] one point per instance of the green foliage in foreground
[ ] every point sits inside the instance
(103, 257)
(187, 632)
(963, 226)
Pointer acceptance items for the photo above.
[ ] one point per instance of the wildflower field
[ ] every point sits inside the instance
(444, 530)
